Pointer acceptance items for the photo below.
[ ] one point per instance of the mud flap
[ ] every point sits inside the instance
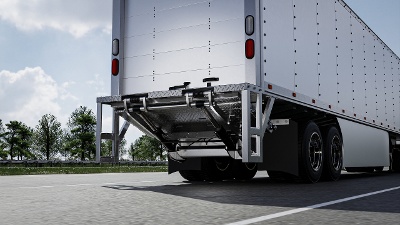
(281, 150)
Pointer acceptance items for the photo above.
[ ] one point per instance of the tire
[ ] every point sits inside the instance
(395, 161)
(217, 169)
(192, 175)
(378, 169)
(333, 155)
(244, 171)
(311, 158)
(224, 167)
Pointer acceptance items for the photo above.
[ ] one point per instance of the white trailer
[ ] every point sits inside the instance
(300, 88)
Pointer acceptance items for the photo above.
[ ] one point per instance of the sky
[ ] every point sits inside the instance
(55, 54)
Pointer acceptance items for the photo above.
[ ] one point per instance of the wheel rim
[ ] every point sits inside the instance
(250, 166)
(336, 153)
(222, 165)
(315, 151)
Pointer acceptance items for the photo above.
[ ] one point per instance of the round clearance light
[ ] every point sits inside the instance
(115, 47)
(249, 24)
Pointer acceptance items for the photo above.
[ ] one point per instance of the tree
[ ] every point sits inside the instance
(106, 148)
(23, 147)
(122, 148)
(48, 135)
(82, 125)
(147, 148)
(11, 137)
(3, 153)
(18, 139)
(1, 127)
(65, 147)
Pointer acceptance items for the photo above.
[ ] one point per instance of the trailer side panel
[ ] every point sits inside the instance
(321, 50)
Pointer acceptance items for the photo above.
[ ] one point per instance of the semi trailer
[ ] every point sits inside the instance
(299, 88)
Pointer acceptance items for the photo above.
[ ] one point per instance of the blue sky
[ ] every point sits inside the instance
(55, 54)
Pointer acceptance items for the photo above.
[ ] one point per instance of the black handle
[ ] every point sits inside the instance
(209, 80)
(184, 86)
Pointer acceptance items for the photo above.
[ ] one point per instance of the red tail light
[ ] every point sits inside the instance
(249, 48)
(115, 67)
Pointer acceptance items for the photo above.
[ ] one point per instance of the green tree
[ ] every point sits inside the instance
(82, 125)
(24, 147)
(11, 137)
(122, 148)
(1, 127)
(3, 153)
(48, 136)
(147, 148)
(18, 140)
(66, 144)
(106, 148)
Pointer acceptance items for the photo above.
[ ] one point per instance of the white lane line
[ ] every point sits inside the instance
(81, 185)
(294, 211)
(36, 187)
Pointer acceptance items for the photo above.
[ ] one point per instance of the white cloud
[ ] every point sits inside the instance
(28, 94)
(76, 17)
(99, 84)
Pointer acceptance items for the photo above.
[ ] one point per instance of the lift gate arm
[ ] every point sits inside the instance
(246, 138)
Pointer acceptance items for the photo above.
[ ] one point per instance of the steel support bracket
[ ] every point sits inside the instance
(116, 136)
(252, 136)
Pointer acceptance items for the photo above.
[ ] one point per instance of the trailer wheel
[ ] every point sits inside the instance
(333, 155)
(224, 168)
(192, 175)
(244, 171)
(311, 153)
(217, 169)
(395, 160)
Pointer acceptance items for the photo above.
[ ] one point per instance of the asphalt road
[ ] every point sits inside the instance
(158, 198)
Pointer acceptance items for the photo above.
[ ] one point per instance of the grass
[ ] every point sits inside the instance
(10, 171)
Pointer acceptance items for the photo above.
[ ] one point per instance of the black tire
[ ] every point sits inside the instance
(212, 169)
(395, 160)
(244, 171)
(333, 155)
(378, 169)
(311, 158)
(217, 169)
(224, 167)
(192, 175)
